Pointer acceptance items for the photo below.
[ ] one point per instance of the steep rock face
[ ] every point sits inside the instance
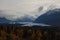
(52, 17)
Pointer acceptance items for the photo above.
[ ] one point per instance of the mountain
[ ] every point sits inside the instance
(25, 19)
(4, 20)
(9, 16)
(51, 17)
(22, 19)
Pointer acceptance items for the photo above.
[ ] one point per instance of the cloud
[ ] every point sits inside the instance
(11, 15)
(13, 9)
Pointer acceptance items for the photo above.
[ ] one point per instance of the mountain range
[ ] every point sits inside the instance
(51, 17)
(22, 19)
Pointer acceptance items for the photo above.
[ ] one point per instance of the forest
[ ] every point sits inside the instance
(17, 32)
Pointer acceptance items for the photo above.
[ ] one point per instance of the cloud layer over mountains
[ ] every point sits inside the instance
(14, 9)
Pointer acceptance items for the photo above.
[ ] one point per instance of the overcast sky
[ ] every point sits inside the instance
(26, 6)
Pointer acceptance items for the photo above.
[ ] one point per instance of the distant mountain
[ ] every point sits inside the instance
(9, 15)
(25, 19)
(4, 20)
(52, 17)
(22, 19)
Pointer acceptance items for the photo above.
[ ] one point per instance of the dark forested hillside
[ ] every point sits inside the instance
(17, 32)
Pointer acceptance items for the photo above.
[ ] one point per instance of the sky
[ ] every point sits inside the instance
(13, 9)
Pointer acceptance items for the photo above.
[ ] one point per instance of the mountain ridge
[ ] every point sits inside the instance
(51, 17)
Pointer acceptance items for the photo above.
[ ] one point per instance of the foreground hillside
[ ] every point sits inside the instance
(17, 32)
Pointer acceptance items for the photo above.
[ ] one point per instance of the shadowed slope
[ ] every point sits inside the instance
(52, 17)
